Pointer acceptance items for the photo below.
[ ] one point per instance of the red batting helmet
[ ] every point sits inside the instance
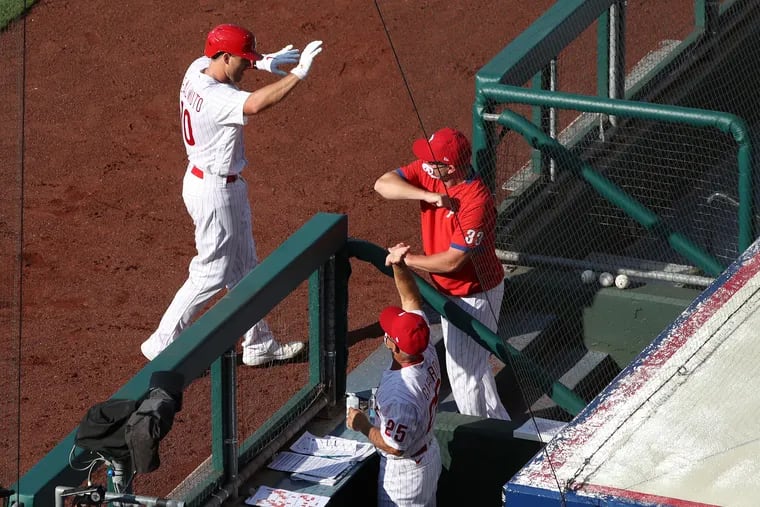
(232, 39)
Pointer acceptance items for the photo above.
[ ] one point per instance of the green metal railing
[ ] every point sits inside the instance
(724, 122)
(527, 57)
(487, 339)
(302, 256)
(320, 252)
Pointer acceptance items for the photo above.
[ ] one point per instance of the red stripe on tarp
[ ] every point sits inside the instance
(578, 434)
(643, 497)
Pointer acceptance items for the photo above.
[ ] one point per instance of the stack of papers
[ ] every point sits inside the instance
(308, 467)
(323, 460)
(269, 497)
(332, 447)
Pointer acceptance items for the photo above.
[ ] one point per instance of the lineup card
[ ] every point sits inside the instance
(312, 465)
(271, 497)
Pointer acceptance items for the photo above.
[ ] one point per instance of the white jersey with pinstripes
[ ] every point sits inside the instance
(212, 128)
(212, 117)
(407, 399)
(407, 403)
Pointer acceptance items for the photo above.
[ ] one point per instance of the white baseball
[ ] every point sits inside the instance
(606, 279)
(588, 276)
(622, 282)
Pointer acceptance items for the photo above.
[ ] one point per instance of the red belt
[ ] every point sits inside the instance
(420, 452)
(197, 172)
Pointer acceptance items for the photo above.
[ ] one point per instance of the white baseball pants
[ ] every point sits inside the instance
(226, 252)
(472, 381)
(410, 482)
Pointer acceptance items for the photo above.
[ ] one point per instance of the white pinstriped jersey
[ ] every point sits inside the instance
(212, 128)
(407, 402)
(212, 119)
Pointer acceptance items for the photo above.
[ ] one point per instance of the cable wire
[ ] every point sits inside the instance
(20, 246)
(494, 313)
(424, 132)
(401, 70)
(455, 215)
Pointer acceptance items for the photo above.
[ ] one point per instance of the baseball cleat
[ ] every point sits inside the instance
(150, 355)
(281, 352)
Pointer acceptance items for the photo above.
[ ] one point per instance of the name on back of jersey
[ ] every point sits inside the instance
(432, 383)
(192, 100)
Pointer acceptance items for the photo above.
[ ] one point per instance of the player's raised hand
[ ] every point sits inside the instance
(308, 54)
(271, 62)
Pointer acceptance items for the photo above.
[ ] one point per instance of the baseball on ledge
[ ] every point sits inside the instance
(606, 279)
(622, 282)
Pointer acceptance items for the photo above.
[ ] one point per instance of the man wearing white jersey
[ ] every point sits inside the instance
(213, 111)
(407, 400)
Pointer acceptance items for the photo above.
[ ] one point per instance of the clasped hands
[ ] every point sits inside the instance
(396, 254)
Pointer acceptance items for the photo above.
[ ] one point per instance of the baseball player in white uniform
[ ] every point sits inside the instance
(458, 219)
(213, 111)
(407, 400)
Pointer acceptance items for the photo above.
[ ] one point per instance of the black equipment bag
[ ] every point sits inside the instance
(103, 428)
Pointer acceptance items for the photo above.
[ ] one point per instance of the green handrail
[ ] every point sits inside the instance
(560, 394)
(614, 194)
(500, 82)
(724, 122)
(215, 332)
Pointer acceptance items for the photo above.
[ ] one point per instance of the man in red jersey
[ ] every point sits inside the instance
(459, 241)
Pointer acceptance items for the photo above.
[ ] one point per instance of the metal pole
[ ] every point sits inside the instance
(121, 479)
(617, 54)
(125, 499)
(327, 280)
(229, 417)
(665, 276)
(553, 115)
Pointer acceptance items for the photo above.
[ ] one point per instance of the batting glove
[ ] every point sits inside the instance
(311, 50)
(271, 62)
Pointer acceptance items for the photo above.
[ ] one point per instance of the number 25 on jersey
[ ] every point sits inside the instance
(396, 431)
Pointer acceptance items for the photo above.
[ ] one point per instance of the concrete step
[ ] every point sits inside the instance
(522, 329)
(566, 361)
(586, 378)
(592, 373)
(542, 341)
(546, 408)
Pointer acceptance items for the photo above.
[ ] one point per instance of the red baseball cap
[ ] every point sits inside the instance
(407, 330)
(233, 39)
(446, 145)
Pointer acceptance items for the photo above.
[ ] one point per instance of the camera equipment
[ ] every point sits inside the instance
(97, 495)
(124, 435)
